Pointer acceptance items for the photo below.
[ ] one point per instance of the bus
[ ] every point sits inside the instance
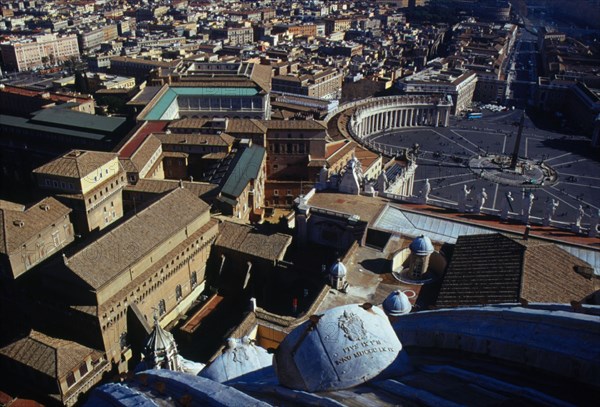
(474, 115)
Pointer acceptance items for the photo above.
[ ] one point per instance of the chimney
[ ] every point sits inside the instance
(526, 234)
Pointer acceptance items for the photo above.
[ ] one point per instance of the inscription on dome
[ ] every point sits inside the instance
(344, 347)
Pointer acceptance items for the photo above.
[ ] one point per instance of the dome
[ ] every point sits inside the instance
(421, 246)
(342, 348)
(338, 270)
(241, 357)
(397, 304)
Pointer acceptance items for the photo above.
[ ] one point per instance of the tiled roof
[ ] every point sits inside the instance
(294, 125)
(144, 152)
(245, 239)
(13, 206)
(222, 139)
(495, 268)
(484, 269)
(131, 145)
(160, 186)
(334, 147)
(188, 123)
(51, 356)
(365, 156)
(550, 276)
(18, 226)
(108, 256)
(76, 164)
(253, 126)
(367, 208)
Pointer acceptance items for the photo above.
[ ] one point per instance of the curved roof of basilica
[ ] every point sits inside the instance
(504, 354)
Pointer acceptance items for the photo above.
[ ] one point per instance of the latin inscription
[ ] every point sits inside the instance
(361, 349)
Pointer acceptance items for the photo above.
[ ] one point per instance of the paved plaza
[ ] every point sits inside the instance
(453, 158)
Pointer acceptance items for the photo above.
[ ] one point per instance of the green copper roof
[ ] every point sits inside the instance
(161, 106)
(247, 168)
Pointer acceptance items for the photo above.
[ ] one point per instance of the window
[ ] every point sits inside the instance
(178, 293)
(194, 279)
(83, 369)
(276, 192)
(162, 307)
(70, 379)
(56, 239)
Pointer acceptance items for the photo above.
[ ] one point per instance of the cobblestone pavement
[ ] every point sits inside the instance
(445, 153)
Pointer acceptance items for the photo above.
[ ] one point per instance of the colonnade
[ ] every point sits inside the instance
(399, 112)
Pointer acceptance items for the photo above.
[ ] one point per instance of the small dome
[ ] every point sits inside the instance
(338, 270)
(342, 348)
(397, 304)
(241, 357)
(421, 246)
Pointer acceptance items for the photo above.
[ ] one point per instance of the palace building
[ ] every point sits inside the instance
(89, 182)
(122, 277)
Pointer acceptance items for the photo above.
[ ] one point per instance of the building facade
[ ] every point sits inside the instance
(90, 183)
(326, 83)
(40, 51)
(30, 236)
(130, 279)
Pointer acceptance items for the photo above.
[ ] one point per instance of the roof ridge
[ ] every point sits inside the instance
(127, 221)
(54, 349)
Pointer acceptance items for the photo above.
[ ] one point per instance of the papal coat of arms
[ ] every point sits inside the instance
(352, 326)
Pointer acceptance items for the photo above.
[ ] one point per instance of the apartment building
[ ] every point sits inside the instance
(28, 54)
(321, 83)
(233, 35)
(441, 79)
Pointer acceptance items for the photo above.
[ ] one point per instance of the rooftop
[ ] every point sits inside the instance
(247, 168)
(53, 357)
(159, 109)
(452, 357)
(106, 257)
(76, 164)
(245, 239)
(78, 120)
(19, 226)
(494, 268)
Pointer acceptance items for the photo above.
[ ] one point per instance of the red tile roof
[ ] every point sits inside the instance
(139, 136)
